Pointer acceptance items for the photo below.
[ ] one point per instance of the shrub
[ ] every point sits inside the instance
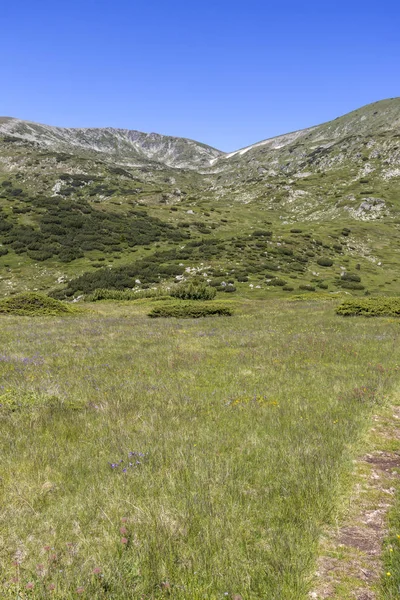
(297, 267)
(350, 277)
(352, 285)
(278, 282)
(194, 291)
(380, 306)
(104, 294)
(260, 233)
(189, 310)
(325, 262)
(216, 282)
(32, 304)
(307, 288)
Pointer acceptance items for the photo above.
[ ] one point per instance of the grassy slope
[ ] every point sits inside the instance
(248, 426)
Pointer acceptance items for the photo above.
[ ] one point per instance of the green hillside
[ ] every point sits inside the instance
(315, 209)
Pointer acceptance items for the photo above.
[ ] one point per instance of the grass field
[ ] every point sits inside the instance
(192, 459)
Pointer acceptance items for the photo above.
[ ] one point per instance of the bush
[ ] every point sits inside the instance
(104, 294)
(350, 277)
(194, 291)
(32, 304)
(380, 306)
(277, 282)
(307, 288)
(352, 285)
(189, 310)
(325, 262)
(260, 233)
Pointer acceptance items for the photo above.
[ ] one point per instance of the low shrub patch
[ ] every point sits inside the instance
(352, 285)
(381, 306)
(189, 310)
(307, 288)
(104, 294)
(325, 262)
(277, 282)
(194, 291)
(31, 304)
(350, 277)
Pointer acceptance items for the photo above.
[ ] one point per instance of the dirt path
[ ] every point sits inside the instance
(350, 565)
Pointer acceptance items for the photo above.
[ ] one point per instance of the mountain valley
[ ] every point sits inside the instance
(317, 209)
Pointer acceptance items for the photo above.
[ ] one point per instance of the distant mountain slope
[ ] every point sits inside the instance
(122, 145)
(378, 117)
(348, 164)
(313, 209)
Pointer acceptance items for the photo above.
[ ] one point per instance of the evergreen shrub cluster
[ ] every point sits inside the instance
(193, 291)
(380, 306)
(67, 229)
(33, 304)
(190, 310)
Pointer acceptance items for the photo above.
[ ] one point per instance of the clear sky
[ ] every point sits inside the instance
(223, 72)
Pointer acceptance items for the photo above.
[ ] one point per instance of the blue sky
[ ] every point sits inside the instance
(223, 72)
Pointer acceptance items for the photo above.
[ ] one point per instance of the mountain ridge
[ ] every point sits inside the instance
(142, 141)
(116, 142)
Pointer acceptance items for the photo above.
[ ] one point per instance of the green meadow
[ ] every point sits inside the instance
(194, 459)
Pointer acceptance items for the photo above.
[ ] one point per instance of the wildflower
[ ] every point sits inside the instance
(47, 548)
(165, 585)
(125, 519)
(80, 590)
(388, 574)
(51, 587)
(124, 540)
(123, 530)
(30, 585)
(96, 571)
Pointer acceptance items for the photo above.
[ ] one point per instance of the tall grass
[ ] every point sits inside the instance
(236, 438)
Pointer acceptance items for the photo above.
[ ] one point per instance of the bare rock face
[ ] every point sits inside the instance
(371, 203)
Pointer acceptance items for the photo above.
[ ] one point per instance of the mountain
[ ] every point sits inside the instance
(149, 208)
(127, 147)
